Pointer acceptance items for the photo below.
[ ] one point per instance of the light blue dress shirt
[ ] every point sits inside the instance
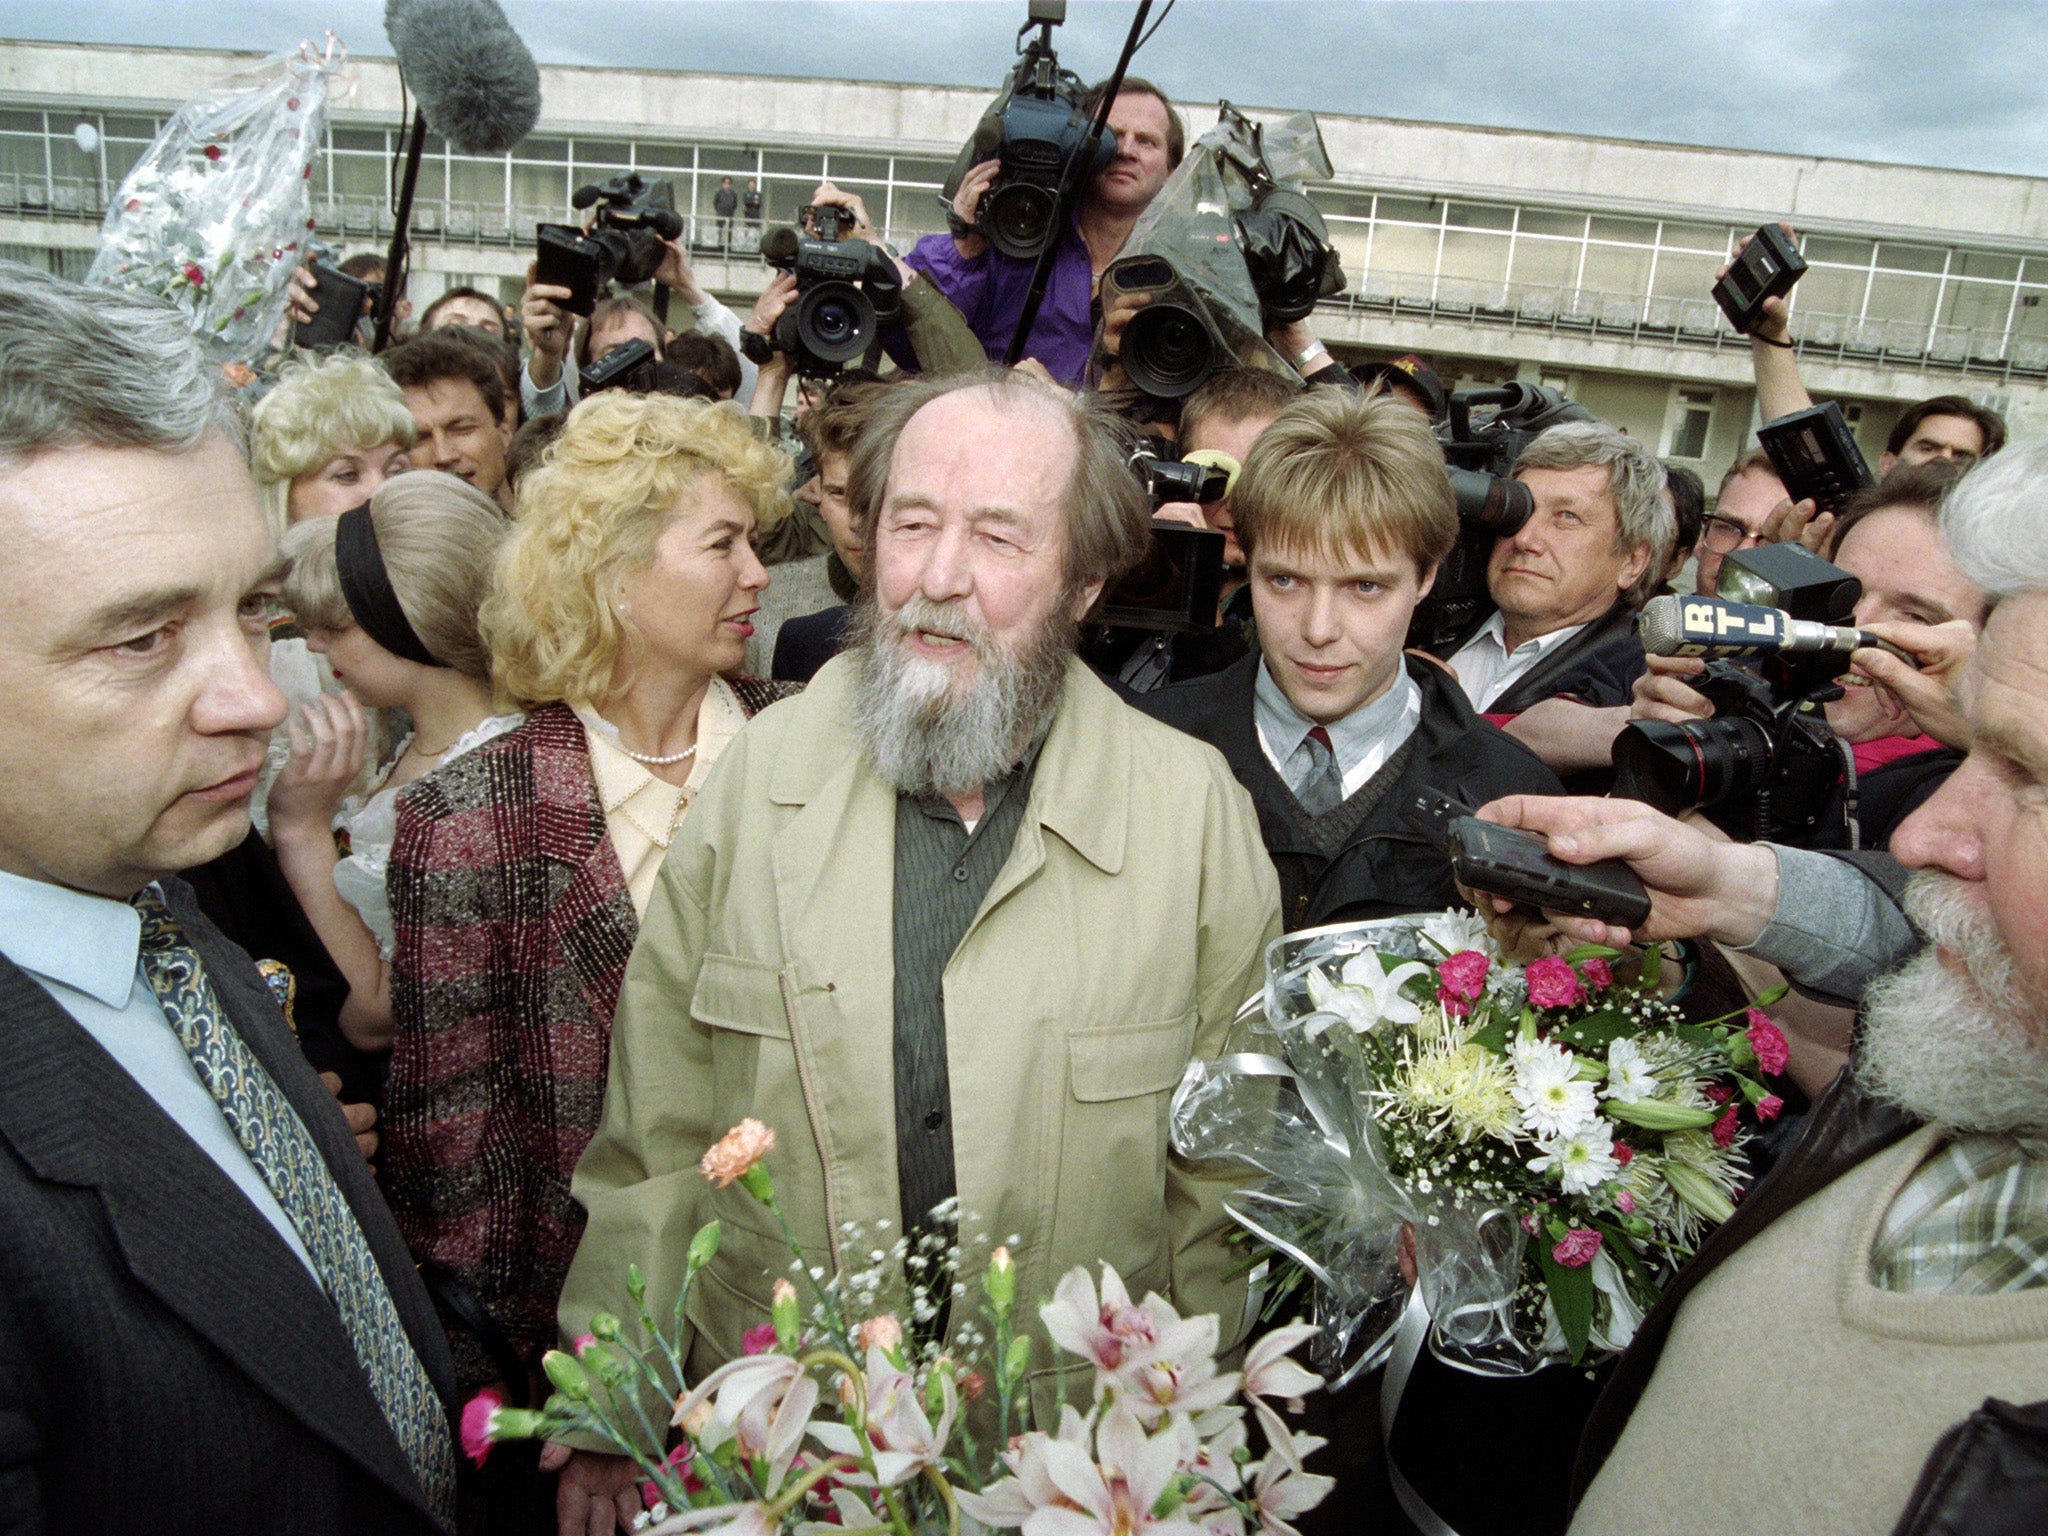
(1361, 742)
(86, 951)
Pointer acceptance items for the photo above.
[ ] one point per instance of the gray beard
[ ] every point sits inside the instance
(922, 738)
(1964, 1054)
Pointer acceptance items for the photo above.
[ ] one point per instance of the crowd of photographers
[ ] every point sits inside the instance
(544, 565)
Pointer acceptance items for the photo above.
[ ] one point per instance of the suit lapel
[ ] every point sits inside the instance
(590, 919)
(186, 1234)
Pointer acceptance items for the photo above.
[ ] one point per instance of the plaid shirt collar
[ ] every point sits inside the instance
(1971, 1221)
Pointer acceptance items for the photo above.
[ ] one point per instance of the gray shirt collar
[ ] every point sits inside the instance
(1283, 727)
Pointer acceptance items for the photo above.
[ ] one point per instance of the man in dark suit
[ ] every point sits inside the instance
(211, 1323)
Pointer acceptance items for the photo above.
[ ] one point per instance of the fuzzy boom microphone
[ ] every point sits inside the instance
(475, 81)
(477, 87)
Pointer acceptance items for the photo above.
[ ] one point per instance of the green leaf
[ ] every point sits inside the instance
(1493, 1035)
(1571, 1293)
(1595, 1031)
(1772, 995)
(1650, 975)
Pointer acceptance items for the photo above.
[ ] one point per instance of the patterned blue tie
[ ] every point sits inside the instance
(284, 1154)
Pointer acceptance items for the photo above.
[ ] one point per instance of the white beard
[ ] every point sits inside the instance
(1964, 1053)
(922, 737)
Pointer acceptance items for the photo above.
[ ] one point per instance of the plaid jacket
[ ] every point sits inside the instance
(513, 925)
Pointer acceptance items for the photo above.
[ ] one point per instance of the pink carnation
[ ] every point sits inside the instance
(1553, 983)
(580, 1343)
(1769, 1107)
(1625, 1203)
(758, 1340)
(1724, 1128)
(1623, 1152)
(736, 1152)
(677, 1458)
(1463, 975)
(1577, 1247)
(476, 1424)
(1454, 1007)
(1768, 1041)
(1718, 1093)
(1599, 975)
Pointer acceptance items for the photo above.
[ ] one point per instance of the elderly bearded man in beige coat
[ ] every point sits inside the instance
(952, 922)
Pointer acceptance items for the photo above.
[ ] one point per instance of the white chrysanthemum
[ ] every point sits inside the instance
(1457, 929)
(1461, 1086)
(1630, 1077)
(1554, 1101)
(1584, 1159)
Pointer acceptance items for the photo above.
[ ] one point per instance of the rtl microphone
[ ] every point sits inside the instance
(477, 85)
(1708, 627)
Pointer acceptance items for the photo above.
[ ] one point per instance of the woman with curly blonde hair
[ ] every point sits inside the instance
(617, 615)
(326, 438)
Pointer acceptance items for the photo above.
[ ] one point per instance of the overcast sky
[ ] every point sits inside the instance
(1957, 84)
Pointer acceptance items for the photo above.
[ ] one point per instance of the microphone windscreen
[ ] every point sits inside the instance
(476, 83)
(1659, 625)
(778, 246)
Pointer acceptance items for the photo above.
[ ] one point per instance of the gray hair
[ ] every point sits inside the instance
(101, 367)
(1641, 490)
(1107, 522)
(1995, 521)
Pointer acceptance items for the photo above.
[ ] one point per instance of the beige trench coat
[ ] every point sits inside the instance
(1117, 942)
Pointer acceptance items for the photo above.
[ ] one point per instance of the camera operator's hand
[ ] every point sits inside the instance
(1926, 691)
(1116, 318)
(1180, 512)
(967, 208)
(1790, 520)
(299, 301)
(1659, 695)
(548, 327)
(1698, 887)
(829, 196)
(775, 298)
(1300, 348)
(674, 272)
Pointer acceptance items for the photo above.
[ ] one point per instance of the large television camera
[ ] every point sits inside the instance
(623, 245)
(1479, 457)
(846, 291)
(1229, 249)
(1767, 764)
(1031, 130)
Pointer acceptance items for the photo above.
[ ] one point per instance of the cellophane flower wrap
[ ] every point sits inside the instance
(216, 213)
(847, 1412)
(1557, 1136)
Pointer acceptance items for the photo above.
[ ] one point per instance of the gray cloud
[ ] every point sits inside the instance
(1894, 80)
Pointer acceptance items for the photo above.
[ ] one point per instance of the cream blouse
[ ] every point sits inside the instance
(642, 812)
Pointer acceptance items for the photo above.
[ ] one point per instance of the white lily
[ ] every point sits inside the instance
(1366, 996)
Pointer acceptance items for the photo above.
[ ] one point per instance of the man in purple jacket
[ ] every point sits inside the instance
(988, 287)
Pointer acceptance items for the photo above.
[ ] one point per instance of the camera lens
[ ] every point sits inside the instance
(1498, 505)
(835, 322)
(1018, 218)
(1167, 351)
(1678, 768)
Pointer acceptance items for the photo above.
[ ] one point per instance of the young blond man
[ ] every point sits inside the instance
(1343, 511)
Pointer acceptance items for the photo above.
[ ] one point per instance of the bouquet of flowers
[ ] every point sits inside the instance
(213, 215)
(1556, 1137)
(837, 1420)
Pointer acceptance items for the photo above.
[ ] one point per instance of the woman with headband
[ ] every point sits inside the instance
(388, 594)
(618, 615)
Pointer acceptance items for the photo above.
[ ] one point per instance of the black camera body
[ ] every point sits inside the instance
(846, 291)
(1173, 343)
(1767, 268)
(1816, 456)
(1031, 130)
(1167, 480)
(1767, 763)
(343, 302)
(1492, 504)
(623, 246)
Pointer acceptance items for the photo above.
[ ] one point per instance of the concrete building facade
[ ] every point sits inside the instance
(1579, 262)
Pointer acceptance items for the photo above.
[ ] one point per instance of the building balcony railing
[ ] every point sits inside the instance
(1622, 318)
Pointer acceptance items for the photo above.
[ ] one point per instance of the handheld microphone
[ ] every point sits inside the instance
(477, 85)
(1712, 628)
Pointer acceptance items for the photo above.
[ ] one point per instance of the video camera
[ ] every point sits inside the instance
(1767, 764)
(1031, 130)
(846, 291)
(1480, 460)
(624, 245)
(633, 367)
(1179, 583)
(1229, 249)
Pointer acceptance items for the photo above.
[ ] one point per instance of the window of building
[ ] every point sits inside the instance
(1688, 422)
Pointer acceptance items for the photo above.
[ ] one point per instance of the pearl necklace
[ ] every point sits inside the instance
(650, 759)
